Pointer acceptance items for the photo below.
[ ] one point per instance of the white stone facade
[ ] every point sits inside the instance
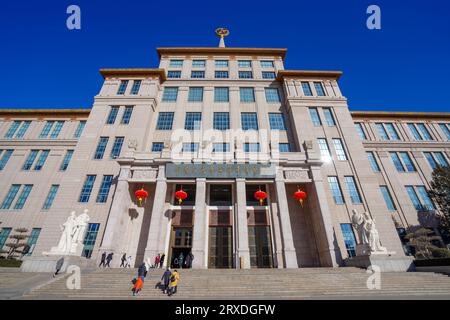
(308, 236)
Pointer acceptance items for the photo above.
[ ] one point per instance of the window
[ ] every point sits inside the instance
(30, 160)
(425, 133)
(247, 94)
(221, 63)
(436, 159)
(392, 132)
(405, 164)
(87, 188)
(244, 63)
(440, 158)
(190, 147)
(112, 115)
(117, 147)
(221, 94)
(387, 198)
(423, 193)
(127, 115)
(414, 131)
(387, 131)
(56, 130)
(329, 117)
(284, 147)
(176, 63)
(165, 121)
(324, 150)
(66, 160)
(251, 147)
(272, 95)
(4, 235)
(157, 146)
(221, 121)
(46, 129)
(319, 89)
(198, 63)
(50, 197)
(352, 189)
(197, 74)
(122, 87)
(382, 131)
(268, 75)
(5, 155)
(101, 146)
(249, 121)
(267, 64)
(195, 94)
(340, 152)
(221, 74)
(12, 129)
(445, 129)
(11, 195)
(20, 203)
(373, 162)
(89, 239)
(360, 130)
(193, 121)
(80, 129)
(23, 129)
(32, 240)
(136, 86)
(41, 160)
(426, 203)
(170, 94)
(221, 147)
(306, 89)
(314, 114)
(336, 190)
(349, 239)
(245, 75)
(276, 121)
(173, 74)
(103, 192)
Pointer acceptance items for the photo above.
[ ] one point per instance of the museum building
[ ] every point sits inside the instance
(222, 153)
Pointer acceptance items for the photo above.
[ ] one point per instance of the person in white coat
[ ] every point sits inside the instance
(128, 263)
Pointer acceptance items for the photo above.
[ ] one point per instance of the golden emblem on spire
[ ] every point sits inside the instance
(222, 33)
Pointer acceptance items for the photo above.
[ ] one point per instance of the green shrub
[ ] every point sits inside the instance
(10, 263)
(440, 253)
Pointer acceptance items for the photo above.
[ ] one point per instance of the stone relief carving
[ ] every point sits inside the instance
(132, 144)
(144, 174)
(300, 175)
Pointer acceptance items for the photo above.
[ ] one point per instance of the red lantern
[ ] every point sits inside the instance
(141, 194)
(180, 195)
(300, 196)
(260, 196)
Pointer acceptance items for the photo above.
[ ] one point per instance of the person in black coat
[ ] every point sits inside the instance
(161, 261)
(166, 279)
(142, 271)
(124, 259)
(103, 260)
(108, 259)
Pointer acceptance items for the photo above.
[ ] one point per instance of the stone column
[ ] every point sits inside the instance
(156, 223)
(241, 225)
(118, 213)
(199, 234)
(328, 252)
(290, 255)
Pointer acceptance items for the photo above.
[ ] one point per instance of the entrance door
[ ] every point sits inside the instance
(220, 247)
(260, 247)
(181, 246)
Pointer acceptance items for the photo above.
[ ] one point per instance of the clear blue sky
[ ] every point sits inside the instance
(403, 67)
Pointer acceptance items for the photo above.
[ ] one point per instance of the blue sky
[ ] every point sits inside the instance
(405, 66)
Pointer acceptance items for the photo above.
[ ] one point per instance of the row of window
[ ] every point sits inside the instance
(102, 144)
(388, 131)
(325, 150)
(220, 147)
(351, 187)
(134, 89)
(221, 121)
(178, 63)
(316, 120)
(12, 201)
(126, 116)
(220, 74)
(221, 94)
(51, 129)
(103, 191)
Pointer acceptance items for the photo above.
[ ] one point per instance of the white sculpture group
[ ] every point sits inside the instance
(367, 233)
(73, 232)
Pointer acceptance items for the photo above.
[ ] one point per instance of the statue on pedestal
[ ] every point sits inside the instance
(369, 238)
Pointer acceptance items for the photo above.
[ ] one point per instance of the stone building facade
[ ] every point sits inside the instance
(220, 124)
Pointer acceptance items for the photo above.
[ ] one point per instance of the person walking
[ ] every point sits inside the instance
(109, 257)
(128, 262)
(137, 287)
(157, 260)
(58, 267)
(123, 260)
(103, 260)
(161, 261)
(174, 278)
(166, 280)
(180, 260)
(142, 271)
(189, 259)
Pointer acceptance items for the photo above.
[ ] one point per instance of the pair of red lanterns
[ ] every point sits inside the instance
(141, 195)
(299, 195)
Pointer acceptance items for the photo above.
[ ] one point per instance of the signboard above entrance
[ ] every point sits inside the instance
(220, 170)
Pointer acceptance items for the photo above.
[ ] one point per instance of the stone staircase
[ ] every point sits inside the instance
(252, 284)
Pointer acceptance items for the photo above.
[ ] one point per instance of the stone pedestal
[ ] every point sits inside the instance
(48, 263)
(386, 262)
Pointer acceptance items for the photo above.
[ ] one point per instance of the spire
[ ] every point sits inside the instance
(222, 33)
